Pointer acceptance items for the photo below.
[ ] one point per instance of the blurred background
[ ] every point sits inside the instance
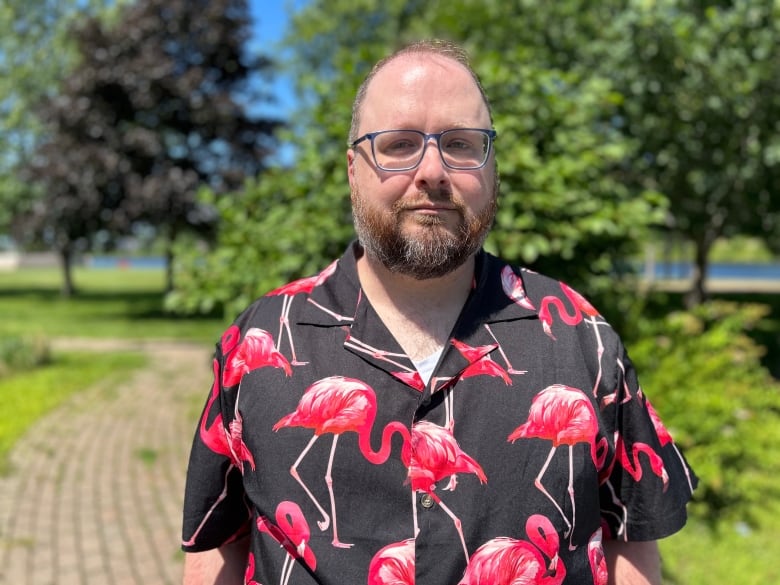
(165, 162)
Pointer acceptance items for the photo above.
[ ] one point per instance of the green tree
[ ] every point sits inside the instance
(34, 55)
(154, 109)
(701, 82)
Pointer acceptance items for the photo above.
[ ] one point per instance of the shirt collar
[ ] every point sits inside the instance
(500, 293)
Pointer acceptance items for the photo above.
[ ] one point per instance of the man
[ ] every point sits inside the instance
(421, 411)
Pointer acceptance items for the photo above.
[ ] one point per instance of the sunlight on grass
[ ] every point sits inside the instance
(28, 396)
(86, 280)
(110, 303)
(696, 556)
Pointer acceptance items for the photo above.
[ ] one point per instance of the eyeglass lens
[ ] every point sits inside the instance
(460, 149)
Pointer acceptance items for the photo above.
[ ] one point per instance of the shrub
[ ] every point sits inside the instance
(19, 353)
(704, 375)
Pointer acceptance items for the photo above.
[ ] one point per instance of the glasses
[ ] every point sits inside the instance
(402, 150)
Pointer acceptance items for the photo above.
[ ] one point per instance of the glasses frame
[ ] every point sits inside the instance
(491, 135)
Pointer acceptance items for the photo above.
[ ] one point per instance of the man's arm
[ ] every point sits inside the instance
(221, 566)
(633, 563)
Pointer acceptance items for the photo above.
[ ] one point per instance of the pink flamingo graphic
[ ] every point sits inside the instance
(217, 439)
(257, 350)
(514, 289)
(578, 302)
(665, 438)
(230, 339)
(393, 564)
(413, 379)
(507, 561)
(302, 285)
(292, 532)
(581, 306)
(630, 462)
(565, 416)
(598, 564)
(480, 364)
(336, 405)
(436, 455)
(250, 571)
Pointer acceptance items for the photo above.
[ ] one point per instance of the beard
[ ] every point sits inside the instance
(433, 250)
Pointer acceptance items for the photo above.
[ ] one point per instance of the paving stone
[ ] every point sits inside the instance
(95, 488)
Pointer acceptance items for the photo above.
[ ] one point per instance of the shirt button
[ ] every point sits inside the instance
(426, 501)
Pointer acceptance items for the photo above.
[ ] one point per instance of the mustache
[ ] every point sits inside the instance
(425, 197)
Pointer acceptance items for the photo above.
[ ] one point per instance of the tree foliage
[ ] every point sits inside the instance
(701, 82)
(34, 54)
(151, 112)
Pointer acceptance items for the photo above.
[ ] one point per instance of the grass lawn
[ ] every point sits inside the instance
(696, 556)
(110, 303)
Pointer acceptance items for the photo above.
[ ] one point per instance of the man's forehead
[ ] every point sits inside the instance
(412, 68)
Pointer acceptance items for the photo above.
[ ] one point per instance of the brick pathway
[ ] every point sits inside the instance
(94, 495)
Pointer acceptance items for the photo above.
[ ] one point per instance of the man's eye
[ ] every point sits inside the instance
(400, 146)
(459, 145)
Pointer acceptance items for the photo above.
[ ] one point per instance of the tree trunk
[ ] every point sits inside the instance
(698, 293)
(169, 259)
(67, 289)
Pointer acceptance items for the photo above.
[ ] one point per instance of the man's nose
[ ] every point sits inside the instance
(432, 171)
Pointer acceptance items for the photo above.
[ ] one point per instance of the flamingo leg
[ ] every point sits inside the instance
(325, 522)
(329, 312)
(287, 568)
(685, 467)
(219, 499)
(621, 532)
(600, 353)
(571, 497)
(509, 367)
(449, 413)
(367, 349)
(282, 319)
(456, 521)
(329, 481)
(540, 486)
(238, 418)
(285, 322)
(414, 514)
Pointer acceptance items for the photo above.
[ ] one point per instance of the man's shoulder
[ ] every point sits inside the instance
(284, 300)
(539, 283)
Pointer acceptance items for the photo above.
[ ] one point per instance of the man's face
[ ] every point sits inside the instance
(427, 221)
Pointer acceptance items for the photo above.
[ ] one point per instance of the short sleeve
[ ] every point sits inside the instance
(215, 510)
(645, 481)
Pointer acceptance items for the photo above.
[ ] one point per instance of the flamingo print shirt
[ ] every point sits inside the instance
(530, 445)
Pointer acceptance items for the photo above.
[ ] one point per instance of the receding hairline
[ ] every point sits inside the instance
(444, 49)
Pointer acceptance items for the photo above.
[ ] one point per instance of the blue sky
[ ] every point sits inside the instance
(270, 18)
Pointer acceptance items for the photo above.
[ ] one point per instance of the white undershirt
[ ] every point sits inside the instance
(425, 366)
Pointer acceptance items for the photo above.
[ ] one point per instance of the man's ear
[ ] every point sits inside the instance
(351, 166)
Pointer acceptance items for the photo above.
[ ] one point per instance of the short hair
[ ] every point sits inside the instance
(442, 48)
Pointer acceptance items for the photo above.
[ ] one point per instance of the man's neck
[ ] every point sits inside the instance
(386, 287)
(419, 313)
